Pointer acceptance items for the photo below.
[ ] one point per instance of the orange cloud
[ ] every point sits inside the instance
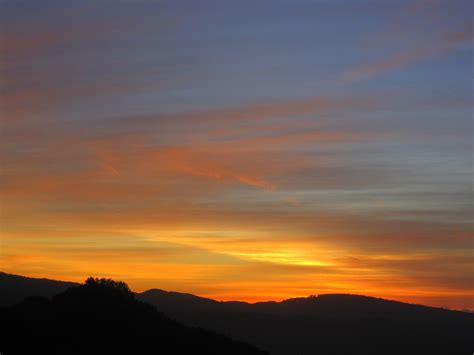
(263, 200)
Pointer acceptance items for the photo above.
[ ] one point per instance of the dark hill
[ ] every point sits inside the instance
(14, 288)
(327, 324)
(103, 317)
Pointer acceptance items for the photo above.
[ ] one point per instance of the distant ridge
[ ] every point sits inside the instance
(14, 288)
(292, 305)
(28, 286)
(324, 324)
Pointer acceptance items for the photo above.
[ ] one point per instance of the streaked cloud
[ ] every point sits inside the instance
(444, 44)
(237, 163)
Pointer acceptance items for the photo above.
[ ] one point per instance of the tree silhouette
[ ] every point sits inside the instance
(107, 312)
(108, 283)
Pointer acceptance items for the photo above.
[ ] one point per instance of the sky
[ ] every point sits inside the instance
(240, 150)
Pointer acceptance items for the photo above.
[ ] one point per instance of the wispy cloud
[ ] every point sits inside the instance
(172, 155)
(444, 44)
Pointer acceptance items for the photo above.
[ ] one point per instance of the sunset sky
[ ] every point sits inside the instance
(246, 150)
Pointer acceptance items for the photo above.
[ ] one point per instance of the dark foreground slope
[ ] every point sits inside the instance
(103, 317)
(328, 324)
(14, 288)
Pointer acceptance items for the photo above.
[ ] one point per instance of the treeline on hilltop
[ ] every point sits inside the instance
(102, 316)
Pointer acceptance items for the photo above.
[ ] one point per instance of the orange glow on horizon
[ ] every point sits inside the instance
(240, 164)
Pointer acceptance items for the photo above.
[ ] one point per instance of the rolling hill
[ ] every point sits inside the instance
(103, 316)
(324, 324)
(327, 324)
(14, 288)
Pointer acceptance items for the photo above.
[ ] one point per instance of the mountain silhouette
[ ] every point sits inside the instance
(103, 317)
(14, 288)
(325, 324)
